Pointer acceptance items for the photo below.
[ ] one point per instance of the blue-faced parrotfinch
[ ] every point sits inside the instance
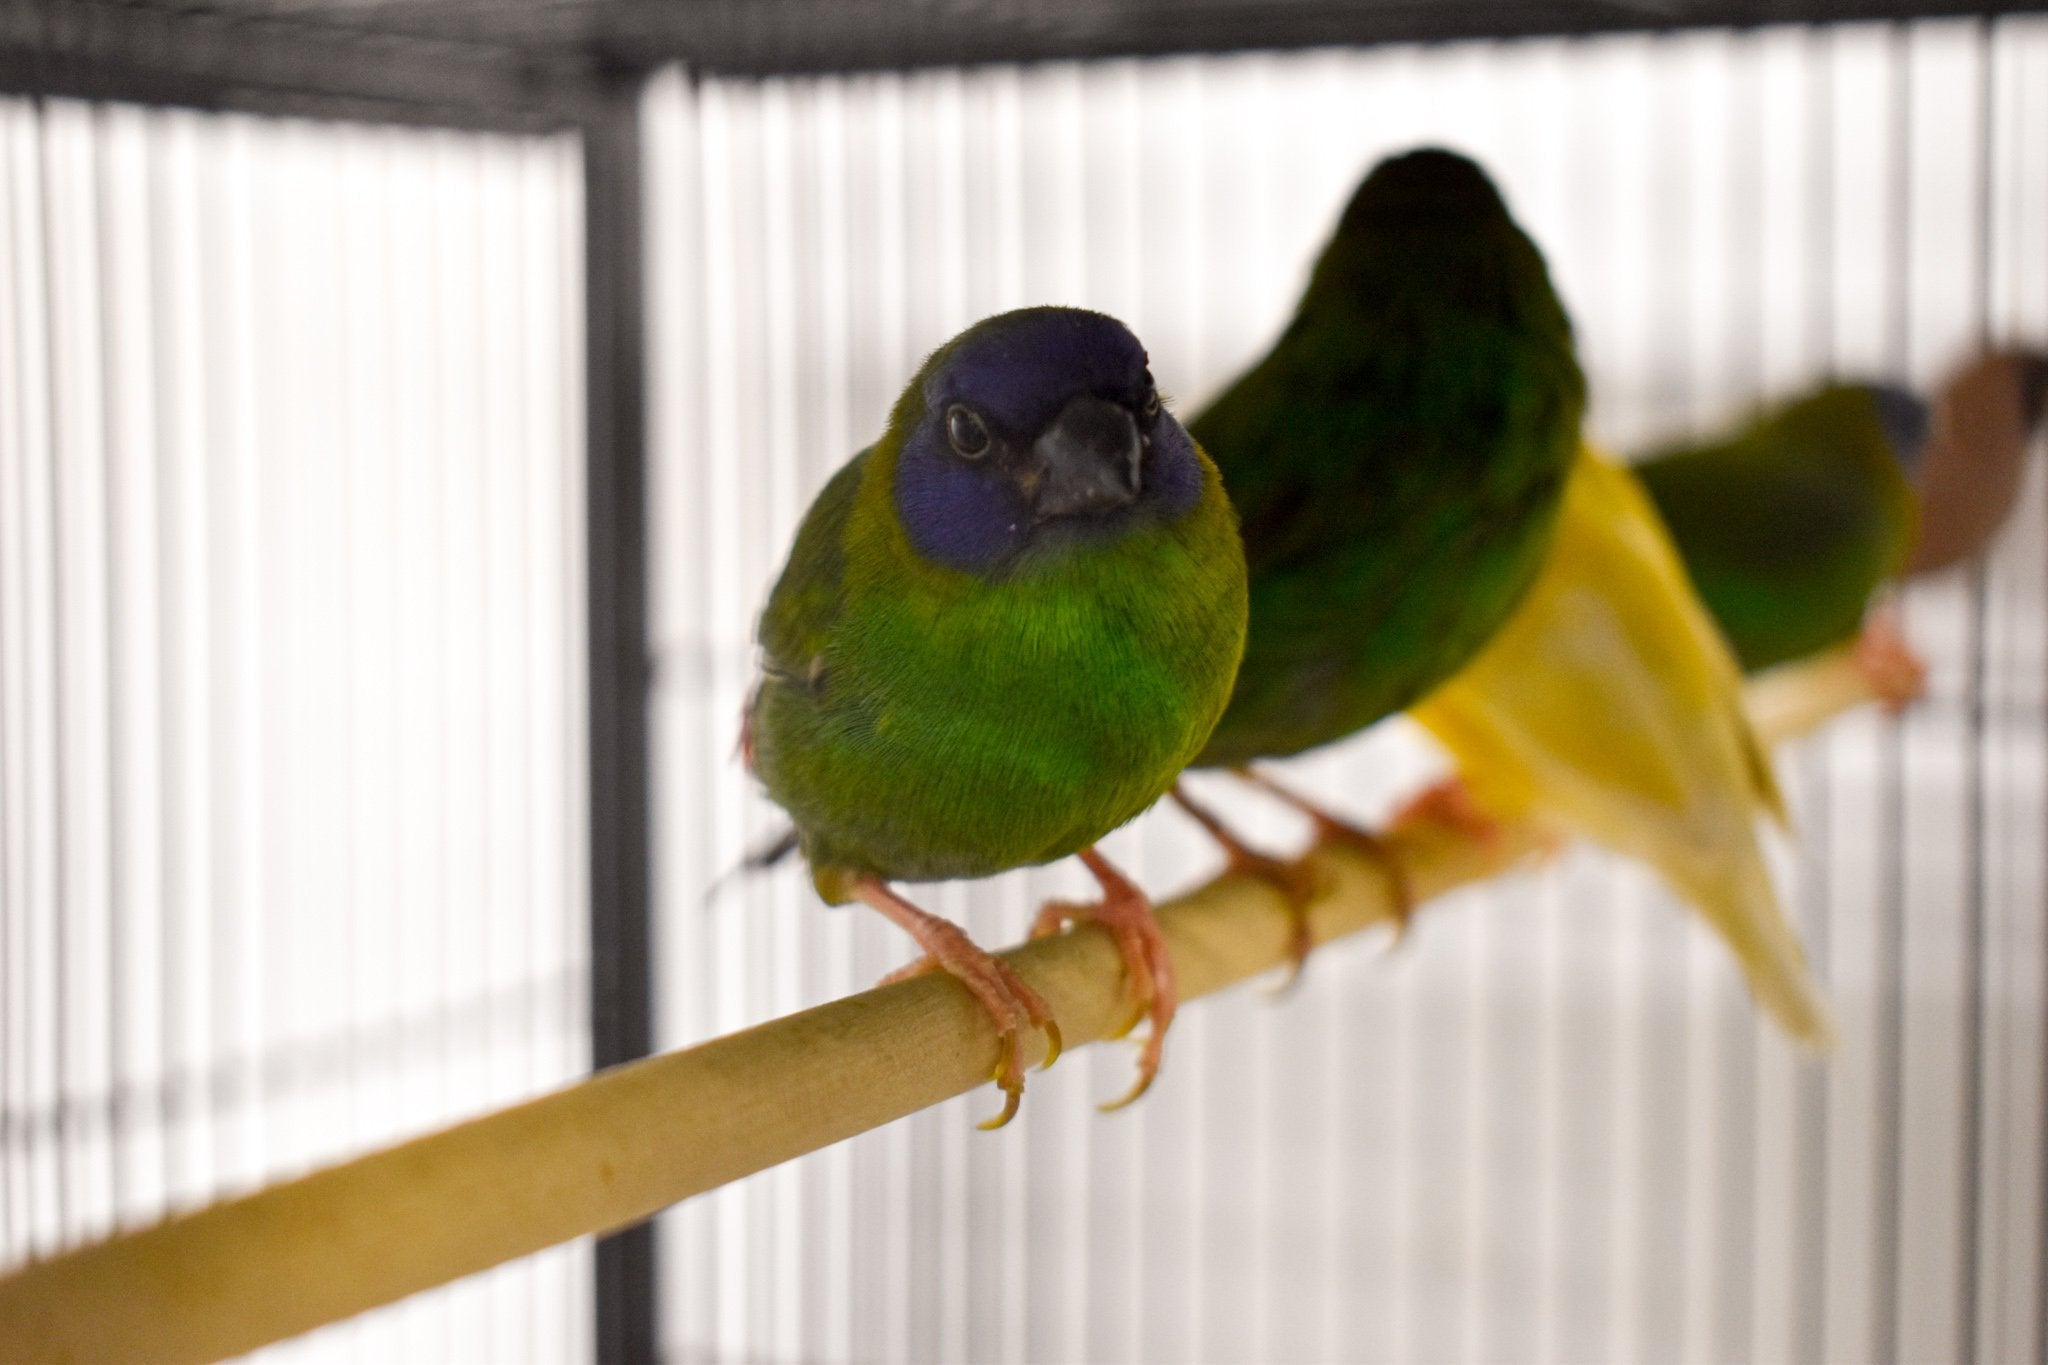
(1003, 630)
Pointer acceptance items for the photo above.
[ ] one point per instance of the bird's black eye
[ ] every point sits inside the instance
(967, 432)
(1151, 404)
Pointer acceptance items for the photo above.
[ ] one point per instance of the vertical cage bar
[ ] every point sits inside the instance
(621, 977)
(1976, 886)
(1891, 910)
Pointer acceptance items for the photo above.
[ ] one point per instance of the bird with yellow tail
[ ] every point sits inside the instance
(1610, 706)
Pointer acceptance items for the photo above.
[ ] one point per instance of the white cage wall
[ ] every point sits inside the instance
(291, 670)
(1549, 1127)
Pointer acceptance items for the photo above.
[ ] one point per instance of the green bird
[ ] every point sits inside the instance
(1792, 525)
(1398, 459)
(1003, 630)
(1788, 526)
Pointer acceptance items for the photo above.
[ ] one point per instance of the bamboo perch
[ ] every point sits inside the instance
(1793, 700)
(625, 1144)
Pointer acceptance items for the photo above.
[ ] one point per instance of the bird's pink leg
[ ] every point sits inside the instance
(1329, 829)
(1126, 912)
(1296, 882)
(1448, 804)
(1010, 1003)
(1895, 673)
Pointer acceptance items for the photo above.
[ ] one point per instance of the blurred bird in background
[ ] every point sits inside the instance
(1397, 459)
(1002, 632)
(1394, 461)
(1969, 476)
(1792, 526)
(1610, 706)
(1789, 526)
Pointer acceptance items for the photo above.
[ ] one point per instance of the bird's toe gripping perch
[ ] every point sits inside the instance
(1010, 1002)
(1126, 912)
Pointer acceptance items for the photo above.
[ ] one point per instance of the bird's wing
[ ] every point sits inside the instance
(808, 599)
(1610, 704)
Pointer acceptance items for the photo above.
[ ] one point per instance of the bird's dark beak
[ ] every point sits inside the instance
(1087, 461)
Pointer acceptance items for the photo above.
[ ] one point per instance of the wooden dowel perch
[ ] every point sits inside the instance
(1793, 700)
(623, 1145)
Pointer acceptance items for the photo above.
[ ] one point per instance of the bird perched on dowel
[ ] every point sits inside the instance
(1610, 706)
(1397, 459)
(1793, 526)
(1002, 632)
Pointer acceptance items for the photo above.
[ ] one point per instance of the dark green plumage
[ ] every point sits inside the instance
(1397, 459)
(1788, 526)
(923, 720)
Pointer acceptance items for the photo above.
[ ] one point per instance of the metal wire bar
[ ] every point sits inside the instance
(621, 857)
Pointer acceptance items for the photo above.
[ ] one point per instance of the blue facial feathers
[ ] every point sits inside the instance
(1052, 388)
(1020, 368)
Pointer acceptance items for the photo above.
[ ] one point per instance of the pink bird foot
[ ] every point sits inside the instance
(1895, 673)
(1330, 830)
(1011, 1004)
(1448, 804)
(1126, 912)
(1296, 882)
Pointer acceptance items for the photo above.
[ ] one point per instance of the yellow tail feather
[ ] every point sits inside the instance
(1610, 704)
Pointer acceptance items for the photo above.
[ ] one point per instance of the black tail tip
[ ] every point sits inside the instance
(760, 859)
(771, 852)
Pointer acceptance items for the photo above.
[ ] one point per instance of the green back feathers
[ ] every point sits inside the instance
(1397, 459)
(1789, 526)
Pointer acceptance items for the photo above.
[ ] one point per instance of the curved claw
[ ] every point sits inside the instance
(1009, 1073)
(1009, 1081)
(1131, 1096)
(1403, 911)
(1007, 997)
(1148, 1060)
(1053, 1047)
(1375, 849)
(1297, 958)
(1148, 968)
(1011, 1100)
(1300, 943)
(1301, 885)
